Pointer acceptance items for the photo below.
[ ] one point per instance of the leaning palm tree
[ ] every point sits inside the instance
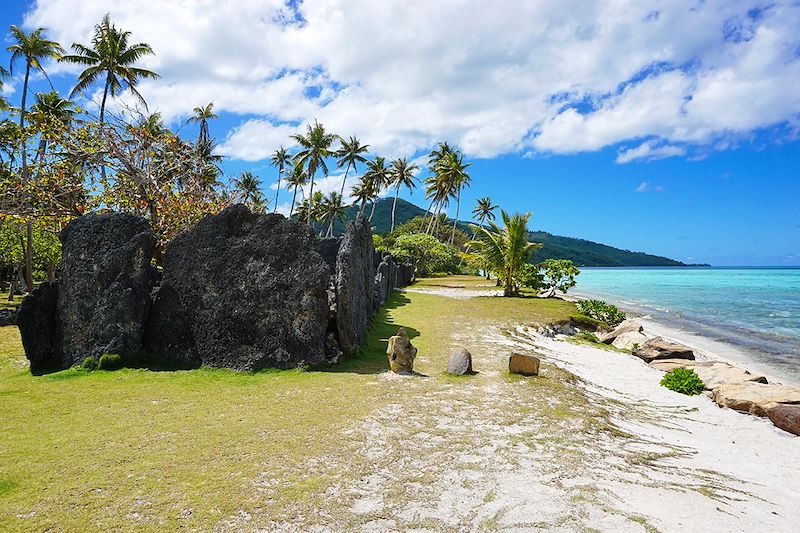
(110, 58)
(332, 210)
(247, 187)
(297, 180)
(315, 147)
(506, 250)
(32, 48)
(350, 154)
(378, 174)
(401, 174)
(201, 116)
(438, 189)
(279, 159)
(362, 192)
(3, 102)
(484, 210)
(454, 172)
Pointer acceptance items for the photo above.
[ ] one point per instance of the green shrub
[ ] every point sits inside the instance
(426, 253)
(110, 361)
(587, 322)
(683, 380)
(600, 310)
(589, 336)
(89, 364)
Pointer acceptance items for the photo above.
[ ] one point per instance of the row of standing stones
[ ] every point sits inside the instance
(239, 290)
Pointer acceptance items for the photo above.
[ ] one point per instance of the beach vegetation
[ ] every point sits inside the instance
(587, 322)
(602, 311)
(683, 380)
(89, 364)
(425, 252)
(558, 275)
(505, 250)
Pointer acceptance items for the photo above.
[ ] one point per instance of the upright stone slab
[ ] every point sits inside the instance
(36, 319)
(354, 284)
(242, 291)
(104, 289)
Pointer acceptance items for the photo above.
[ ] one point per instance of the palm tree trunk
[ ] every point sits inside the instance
(344, 181)
(311, 195)
(394, 206)
(372, 213)
(455, 220)
(294, 197)
(278, 190)
(12, 289)
(24, 153)
(428, 212)
(102, 121)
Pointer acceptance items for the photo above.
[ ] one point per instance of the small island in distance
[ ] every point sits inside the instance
(581, 252)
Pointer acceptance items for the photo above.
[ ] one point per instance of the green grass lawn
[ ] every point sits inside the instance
(5, 304)
(137, 449)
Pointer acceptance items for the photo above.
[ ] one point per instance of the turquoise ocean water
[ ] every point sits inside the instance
(756, 309)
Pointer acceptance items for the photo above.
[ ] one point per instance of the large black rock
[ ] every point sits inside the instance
(354, 280)
(104, 289)
(242, 291)
(329, 249)
(36, 318)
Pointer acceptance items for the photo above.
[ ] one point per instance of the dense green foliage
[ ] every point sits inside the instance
(558, 275)
(426, 253)
(600, 310)
(587, 322)
(89, 364)
(109, 361)
(683, 380)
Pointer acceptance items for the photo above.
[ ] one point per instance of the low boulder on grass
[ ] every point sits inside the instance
(460, 363)
(524, 365)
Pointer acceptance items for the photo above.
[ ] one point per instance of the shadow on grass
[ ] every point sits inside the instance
(371, 359)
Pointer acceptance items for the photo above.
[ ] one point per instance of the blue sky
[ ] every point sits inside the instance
(667, 130)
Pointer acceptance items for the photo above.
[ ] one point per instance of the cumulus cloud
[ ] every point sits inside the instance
(497, 77)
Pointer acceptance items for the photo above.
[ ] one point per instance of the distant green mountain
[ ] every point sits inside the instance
(579, 251)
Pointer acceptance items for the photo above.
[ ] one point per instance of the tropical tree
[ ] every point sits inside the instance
(33, 48)
(350, 154)
(505, 250)
(3, 102)
(453, 173)
(201, 116)
(437, 188)
(110, 58)
(315, 147)
(401, 174)
(557, 275)
(332, 209)
(247, 187)
(484, 210)
(297, 180)
(362, 192)
(378, 175)
(281, 160)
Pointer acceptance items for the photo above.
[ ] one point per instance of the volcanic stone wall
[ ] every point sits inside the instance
(239, 290)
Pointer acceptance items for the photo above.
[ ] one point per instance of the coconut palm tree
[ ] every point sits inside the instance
(297, 180)
(401, 174)
(350, 154)
(51, 107)
(505, 249)
(484, 210)
(315, 147)
(247, 186)
(332, 209)
(279, 159)
(437, 188)
(32, 48)
(201, 116)
(435, 158)
(363, 192)
(378, 174)
(3, 102)
(453, 171)
(110, 58)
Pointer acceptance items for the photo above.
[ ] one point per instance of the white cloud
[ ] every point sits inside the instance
(495, 77)
(649, 151)
(645, 186)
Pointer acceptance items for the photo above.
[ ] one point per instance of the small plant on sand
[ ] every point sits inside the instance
(109, 361)
(89, 364)
(600, 310)
(683, 380)
(589, 336)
